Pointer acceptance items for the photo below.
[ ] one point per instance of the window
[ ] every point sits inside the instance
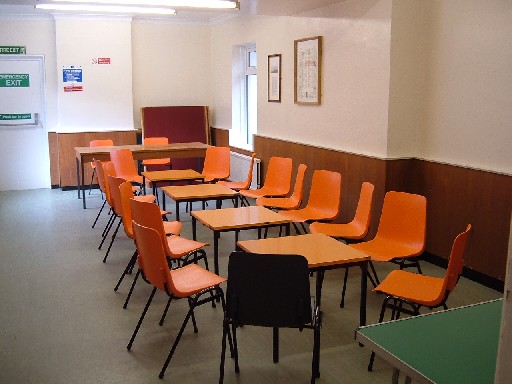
(245, 96)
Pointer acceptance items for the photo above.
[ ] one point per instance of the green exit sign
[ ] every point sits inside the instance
(12, 50)
(14, 80)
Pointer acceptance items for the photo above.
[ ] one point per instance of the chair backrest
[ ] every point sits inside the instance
(124, 163)
(298, 188)
(363, 215)
(456, 261)
(248, 181)
(104, 170)
(156, 141)
(404, 219)
(126, 194)
(325, 193)
(151, 258)
(279, 175)
(148, 214)
(216, 163)
(113, 185)
(268, 290)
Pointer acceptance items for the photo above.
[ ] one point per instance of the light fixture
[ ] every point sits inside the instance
(107, 8)
(205, 4)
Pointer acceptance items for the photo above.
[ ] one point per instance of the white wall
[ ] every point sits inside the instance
(469, 96)
(106, 101)
(171, 65)
(355, 75)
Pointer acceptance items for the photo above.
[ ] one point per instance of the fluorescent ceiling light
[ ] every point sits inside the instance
(215, 4)
(107, 8)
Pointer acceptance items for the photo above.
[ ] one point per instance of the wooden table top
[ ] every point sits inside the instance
(320, 250)
(142, 152)
(198, 191)
(172, 175)
(239, 218)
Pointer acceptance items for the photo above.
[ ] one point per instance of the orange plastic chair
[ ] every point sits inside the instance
(323, 203)
(190, 282)
(240, 185)
(353, 231)
(415, 290)
(400, 238)
(126, 195)
(124, 165)
(216, 164)
(98, 143)
(286, 203)
(278, 180)
(106, 169)
(113, 185)
(156, 162)
(178, 249)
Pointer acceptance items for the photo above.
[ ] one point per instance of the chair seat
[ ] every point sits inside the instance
(305, 214)
(278, 202)
(380, 249)
(145, 198)
(172, 227)
(234, 185)
(181, 246)
(346, 231)
(156, 162)
(191, 279)
(416, 288)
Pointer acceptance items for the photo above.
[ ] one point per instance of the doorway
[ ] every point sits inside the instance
(24, 157)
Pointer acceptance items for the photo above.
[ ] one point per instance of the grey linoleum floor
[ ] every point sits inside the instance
(61, 321)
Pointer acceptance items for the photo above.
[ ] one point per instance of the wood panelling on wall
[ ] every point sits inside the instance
(65, 151)
(455, 195)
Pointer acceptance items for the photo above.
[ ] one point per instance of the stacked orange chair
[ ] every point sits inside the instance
(416, 290)
(278, 180)
(400, 238)
(323, 203)
(291, 202)
(178, 250)
(125, 196)
(191, 282)
(353, 231)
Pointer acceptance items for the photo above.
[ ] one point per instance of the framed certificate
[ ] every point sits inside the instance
(308, 65)
(274, 78)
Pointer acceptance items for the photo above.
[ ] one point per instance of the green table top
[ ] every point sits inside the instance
(459, 345)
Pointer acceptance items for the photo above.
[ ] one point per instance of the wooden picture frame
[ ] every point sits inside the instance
(308, 70)
(274, 78)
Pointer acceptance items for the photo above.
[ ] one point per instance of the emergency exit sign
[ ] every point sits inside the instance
(14, 80)
(12, 50)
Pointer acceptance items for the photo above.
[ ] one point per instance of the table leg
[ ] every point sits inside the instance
(319, 282)
(216, 236)
(77, 176)
(364, 280)
(287, 229)
(82, 183)
(396, 374)
(177, 211)
(194, 228)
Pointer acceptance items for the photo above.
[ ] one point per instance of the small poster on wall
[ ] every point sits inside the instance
(71, 76)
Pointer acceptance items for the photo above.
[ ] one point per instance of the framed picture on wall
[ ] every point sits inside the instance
(308, 70)
(274, 78)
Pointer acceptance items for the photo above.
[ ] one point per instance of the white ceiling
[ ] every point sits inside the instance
(247, 7)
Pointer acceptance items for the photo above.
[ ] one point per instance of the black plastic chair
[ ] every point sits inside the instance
(269, 291)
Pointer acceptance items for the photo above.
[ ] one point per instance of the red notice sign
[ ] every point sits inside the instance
(73, 88)
(103, 60)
